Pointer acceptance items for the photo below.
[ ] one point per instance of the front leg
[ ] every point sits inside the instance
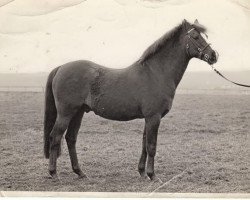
(142, 162)
(152, 126)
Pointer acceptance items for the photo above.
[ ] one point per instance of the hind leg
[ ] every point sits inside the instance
(59, 128)
(71, 137)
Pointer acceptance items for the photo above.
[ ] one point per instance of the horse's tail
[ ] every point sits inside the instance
(50, 112)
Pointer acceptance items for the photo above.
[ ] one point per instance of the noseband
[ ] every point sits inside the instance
(200, 50)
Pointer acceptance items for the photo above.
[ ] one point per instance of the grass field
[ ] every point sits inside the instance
(204, 142)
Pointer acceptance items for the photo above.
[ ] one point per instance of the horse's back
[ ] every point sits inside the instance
(79, 67)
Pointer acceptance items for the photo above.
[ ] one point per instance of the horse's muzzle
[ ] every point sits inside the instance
(212, 58)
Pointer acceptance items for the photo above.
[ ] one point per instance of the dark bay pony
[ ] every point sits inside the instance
(145, 89)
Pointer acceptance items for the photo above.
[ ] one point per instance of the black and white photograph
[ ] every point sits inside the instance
(125, 98)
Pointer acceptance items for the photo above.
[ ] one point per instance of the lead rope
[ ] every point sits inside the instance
(239, 84)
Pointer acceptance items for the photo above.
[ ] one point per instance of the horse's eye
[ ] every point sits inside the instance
(194, 35)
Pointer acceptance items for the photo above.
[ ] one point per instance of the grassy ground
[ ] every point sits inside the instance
(203, 141)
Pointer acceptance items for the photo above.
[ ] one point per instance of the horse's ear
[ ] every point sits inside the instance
(199, 27)
(184, 22)
(196, 21)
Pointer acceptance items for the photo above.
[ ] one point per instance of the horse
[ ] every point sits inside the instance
(145, 89)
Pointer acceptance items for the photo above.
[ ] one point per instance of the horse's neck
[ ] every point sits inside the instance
(170, 62)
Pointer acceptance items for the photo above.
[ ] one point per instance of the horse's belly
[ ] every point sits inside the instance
(122, 117)
(117, 110)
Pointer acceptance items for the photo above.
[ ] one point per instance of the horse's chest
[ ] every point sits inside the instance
(165, 111)
(165, 106)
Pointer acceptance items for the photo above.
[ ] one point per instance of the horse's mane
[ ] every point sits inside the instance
(170, 35)
(158, 44)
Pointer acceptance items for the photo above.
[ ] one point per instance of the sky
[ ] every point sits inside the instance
(37, 36)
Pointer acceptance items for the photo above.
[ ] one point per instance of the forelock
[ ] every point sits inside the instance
(200, 28)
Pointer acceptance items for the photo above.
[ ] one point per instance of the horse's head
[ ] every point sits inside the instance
(196, 46)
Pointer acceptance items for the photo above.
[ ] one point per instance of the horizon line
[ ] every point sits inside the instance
(196, 71)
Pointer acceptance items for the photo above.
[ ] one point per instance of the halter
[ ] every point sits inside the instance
(200, 50)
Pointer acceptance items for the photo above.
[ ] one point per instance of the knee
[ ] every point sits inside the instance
(55, 142)
(55, 146)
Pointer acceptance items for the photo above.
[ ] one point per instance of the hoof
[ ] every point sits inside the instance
(143, 176)
(152, 176)
(80, 173)
(142, 171)
(82, 176)
(53, 173)
(54, 177)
